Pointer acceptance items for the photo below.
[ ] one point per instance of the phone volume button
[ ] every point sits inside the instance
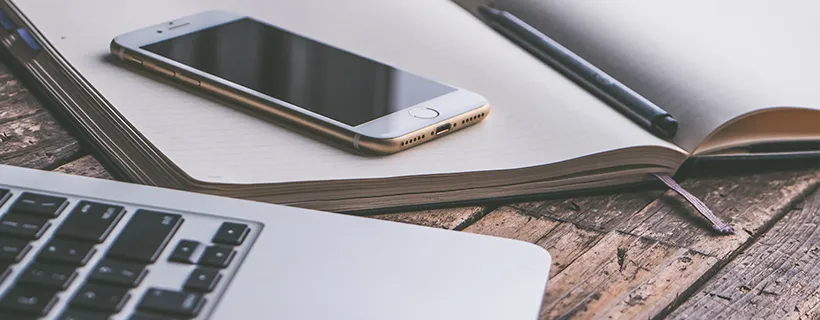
(187, 80)
(159, 69)
(134, 60)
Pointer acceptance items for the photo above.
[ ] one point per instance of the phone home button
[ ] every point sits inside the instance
(424, 113)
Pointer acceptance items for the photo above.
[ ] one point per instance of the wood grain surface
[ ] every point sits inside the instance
(632, 255)
(776, 277)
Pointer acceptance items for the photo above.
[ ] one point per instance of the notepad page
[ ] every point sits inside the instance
(538, 117)
(706, 62)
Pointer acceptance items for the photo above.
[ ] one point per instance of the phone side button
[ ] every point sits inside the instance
(134, 60)
(157, 68)
(187, 80)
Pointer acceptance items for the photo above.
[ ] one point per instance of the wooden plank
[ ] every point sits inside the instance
(623, 277)
(587, 218)
(85, 166)
(36, 141)
(747, 202)
(564, 241)
(29, 135)
(15, 100)
(591, 269)
(453, 219)
(777, 277)
(600, 212)
(651, 258)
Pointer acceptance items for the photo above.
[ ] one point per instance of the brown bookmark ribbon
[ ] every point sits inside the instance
(717, 225)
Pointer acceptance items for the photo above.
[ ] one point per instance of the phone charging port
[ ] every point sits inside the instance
(443, 129)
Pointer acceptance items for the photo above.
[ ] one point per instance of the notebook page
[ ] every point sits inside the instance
(538, 117)
(706, 62)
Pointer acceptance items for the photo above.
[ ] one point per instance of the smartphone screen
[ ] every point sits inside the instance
(325, 80)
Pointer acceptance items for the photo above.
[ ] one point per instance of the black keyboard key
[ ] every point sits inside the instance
(172, 302)
(13, 250)
(39, 205)
(217, 256)
(202, 280)
(187, 251)
(22, 226)
(28, 300)
(231, 233)
(55, 277)
(91, 221)
(101, 297)
(75, 314)
(67, 252)
(145, 316)
(145, 236)
(118, 273)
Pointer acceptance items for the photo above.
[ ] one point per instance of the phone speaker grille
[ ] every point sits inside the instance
(421, 137)
(473, 118)
(413, 140)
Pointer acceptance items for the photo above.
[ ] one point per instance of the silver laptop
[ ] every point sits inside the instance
(85, 249)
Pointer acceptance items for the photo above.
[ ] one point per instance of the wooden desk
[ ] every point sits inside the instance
(641, 254)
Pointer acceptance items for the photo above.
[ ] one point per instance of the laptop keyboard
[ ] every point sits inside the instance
(78, 258)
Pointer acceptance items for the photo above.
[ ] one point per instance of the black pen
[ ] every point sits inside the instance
(618, 96)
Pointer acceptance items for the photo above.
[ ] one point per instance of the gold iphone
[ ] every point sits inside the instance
(350, 99)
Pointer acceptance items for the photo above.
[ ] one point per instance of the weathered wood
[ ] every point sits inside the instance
(36, 141)
(29, 135)
(453, 219)
(85, 166)
(777, 277)
(747, 202)
(623, 277)
(648, 259)
(591, 269)
(15, 100)
(600, 212)
(767, 196)
(564, 241)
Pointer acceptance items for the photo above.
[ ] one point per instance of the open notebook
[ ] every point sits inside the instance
(730, 84)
